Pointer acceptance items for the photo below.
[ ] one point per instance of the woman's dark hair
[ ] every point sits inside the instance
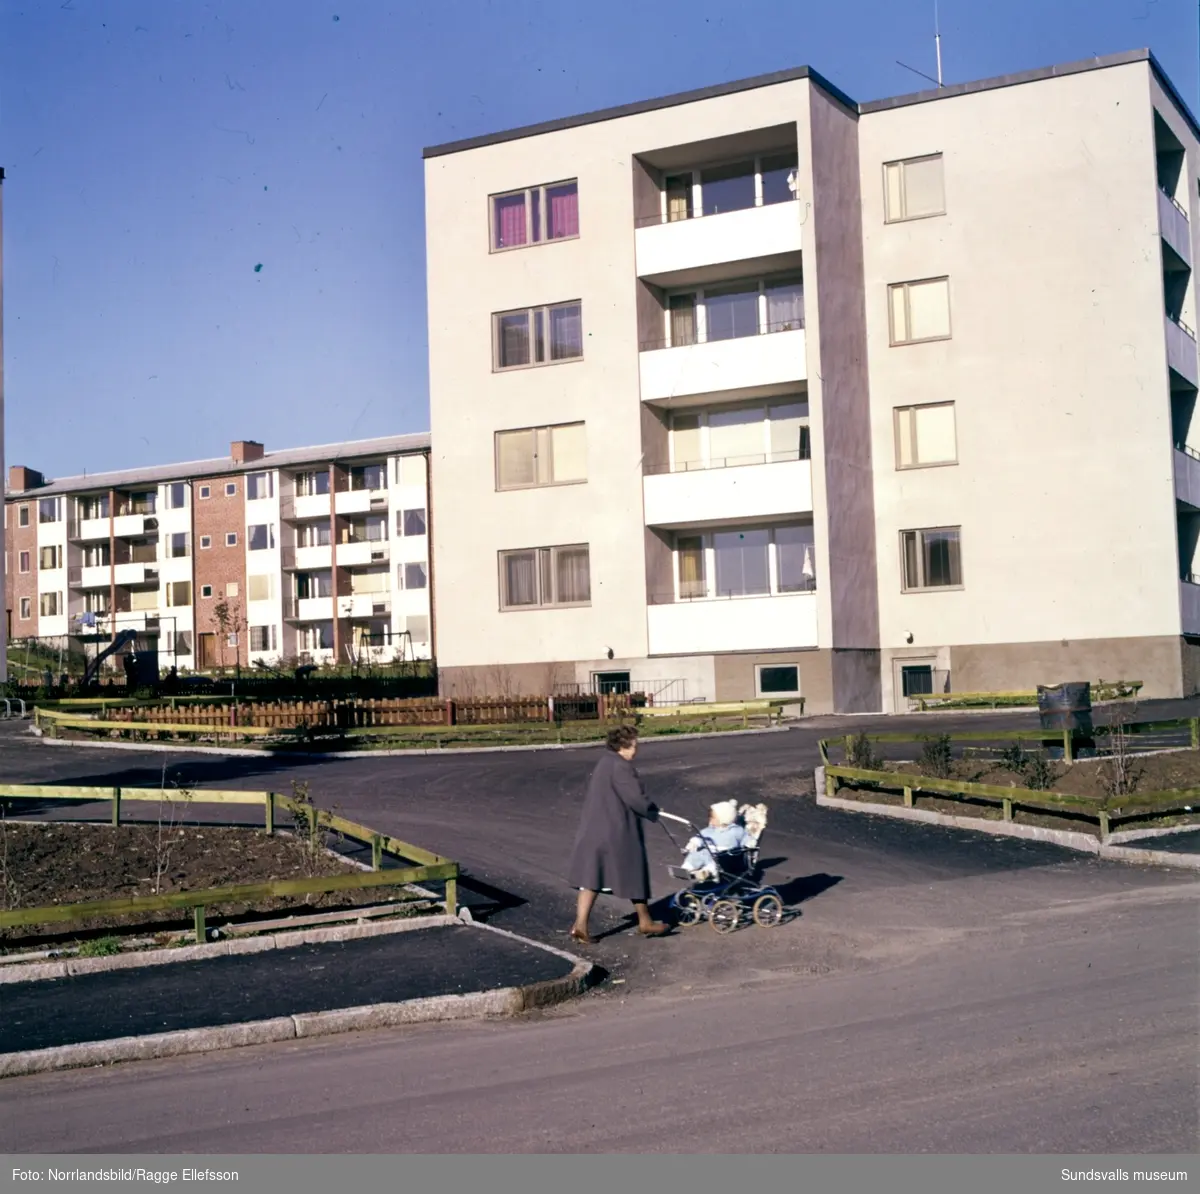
(622, 737)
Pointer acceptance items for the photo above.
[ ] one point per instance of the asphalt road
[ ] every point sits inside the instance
(937, 990)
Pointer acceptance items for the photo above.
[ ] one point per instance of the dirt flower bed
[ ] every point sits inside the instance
(57, 863)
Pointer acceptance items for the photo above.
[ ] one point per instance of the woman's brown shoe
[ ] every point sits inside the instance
(583, 937)
(654, 929)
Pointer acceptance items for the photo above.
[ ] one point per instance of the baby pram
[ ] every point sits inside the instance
(736, 894)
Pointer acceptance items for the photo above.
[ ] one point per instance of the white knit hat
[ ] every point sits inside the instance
(725, 811)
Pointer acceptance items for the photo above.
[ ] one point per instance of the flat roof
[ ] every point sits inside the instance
(392, 445)
(805, 72)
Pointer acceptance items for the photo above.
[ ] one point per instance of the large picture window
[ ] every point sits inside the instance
(545, 576)
(744, 562)
(932, 558)
(538, 336)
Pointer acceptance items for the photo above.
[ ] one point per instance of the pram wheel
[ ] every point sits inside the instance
(724, 916)
(767, 911)
(688, 907)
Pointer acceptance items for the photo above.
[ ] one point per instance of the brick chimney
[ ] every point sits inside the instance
(21, 478)
(244, 451)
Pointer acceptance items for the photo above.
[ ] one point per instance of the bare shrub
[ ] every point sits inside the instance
(937, 756)
(860, 753)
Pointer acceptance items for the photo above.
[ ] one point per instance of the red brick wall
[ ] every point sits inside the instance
(16, 540)
(219, 565)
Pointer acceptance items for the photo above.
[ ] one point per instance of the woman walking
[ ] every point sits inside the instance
(610, 851)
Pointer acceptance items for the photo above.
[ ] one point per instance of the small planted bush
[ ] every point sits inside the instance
(860, 753)
(937, 756)
(100, 947)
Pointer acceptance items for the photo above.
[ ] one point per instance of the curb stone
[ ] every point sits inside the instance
(473, 1005)
(184, 748)
(1082, 842)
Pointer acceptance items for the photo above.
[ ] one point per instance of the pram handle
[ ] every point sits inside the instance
(673, 817)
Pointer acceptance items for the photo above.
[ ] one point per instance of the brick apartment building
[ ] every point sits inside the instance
(313, 554)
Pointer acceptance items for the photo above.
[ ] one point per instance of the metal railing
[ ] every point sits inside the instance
(804, 452)
(792, 324)
(1188, 451)
(661, 217)
(1183, 327)
(682, 598)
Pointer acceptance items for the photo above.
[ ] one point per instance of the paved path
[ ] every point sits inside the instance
(938, 989)
(260, 986)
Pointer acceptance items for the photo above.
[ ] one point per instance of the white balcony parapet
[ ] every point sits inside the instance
(733, 624)
(363, 552)
(1174, 225)
(365, 605)
(136, 574)
(131, 525)
(314, 609)
(1187, 476)
(666, 249)
(360, 501)
(765, 490)
(1181, 350)
(309, 558)
(313, 505)
(748, 363)
(90, 529)
(1189, 604)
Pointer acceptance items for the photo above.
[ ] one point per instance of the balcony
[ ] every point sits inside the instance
(314, 505)
(310, 609)
(136, 575)
(360, 501)
(681, 252)
(1189, 604)
(88, 530)
(1181, 349)
(98, 576)
(1187, 476)
(1174, 225)
(728, 494)
(305, 559)
(733, 624)
(361, 552)
(134, 526)
(748, 366)
(365, 605)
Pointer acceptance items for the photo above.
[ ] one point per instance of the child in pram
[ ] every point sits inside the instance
(729, 829)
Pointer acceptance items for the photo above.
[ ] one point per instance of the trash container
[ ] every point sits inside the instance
(1066, 707)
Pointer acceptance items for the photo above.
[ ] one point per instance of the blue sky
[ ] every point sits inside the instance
(158, 154)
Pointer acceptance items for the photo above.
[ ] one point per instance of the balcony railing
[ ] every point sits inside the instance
(794, 324)
(808, 585)
(668, 217)
(1183, 327)
(1178, 206)
(804, 452)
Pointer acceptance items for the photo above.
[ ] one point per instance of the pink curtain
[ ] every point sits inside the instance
(510, 221)
(562, 211)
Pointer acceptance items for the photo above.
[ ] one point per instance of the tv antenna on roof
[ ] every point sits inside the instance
(937, 46)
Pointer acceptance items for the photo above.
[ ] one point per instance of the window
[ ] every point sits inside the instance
(312, 484)
(916, 679)
(372, 580)
(23, 516)
(50, 509)
(368, 476)
(411, 522)
(535, 215)
(727, 188)
(925, 435)
(231, 538)
(538, 336)
(543, 576)
(744, 562)
(95, 601)
(261, 537)
(49, 558)
(313, 584)
(262, 638)
(205, 542)
(231, 588)
(180, 643)
(205, 492)
(231, 640)
(372, 529)
(50, 605)
(143, 599)
(179, 592)
(139, 503)
(96, 555)
(26, 609)
(313, 534)
(317, 637)
(261, 587)
(413, 576)
(260, 486)
(417, 626)
(230, 488)
(920, 310)
(742, 435)
(88, 508)
(176, 495)
(913, 188)
(178, 544)
(540, 456)
(23, 562)
(733, 310)
(932, 558)
(206, 590)
(734, 186)
(777, 679)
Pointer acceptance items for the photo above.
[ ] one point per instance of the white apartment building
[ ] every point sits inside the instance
(757, 390)
(315, 555)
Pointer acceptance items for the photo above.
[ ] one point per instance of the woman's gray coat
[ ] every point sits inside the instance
(610, 852)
